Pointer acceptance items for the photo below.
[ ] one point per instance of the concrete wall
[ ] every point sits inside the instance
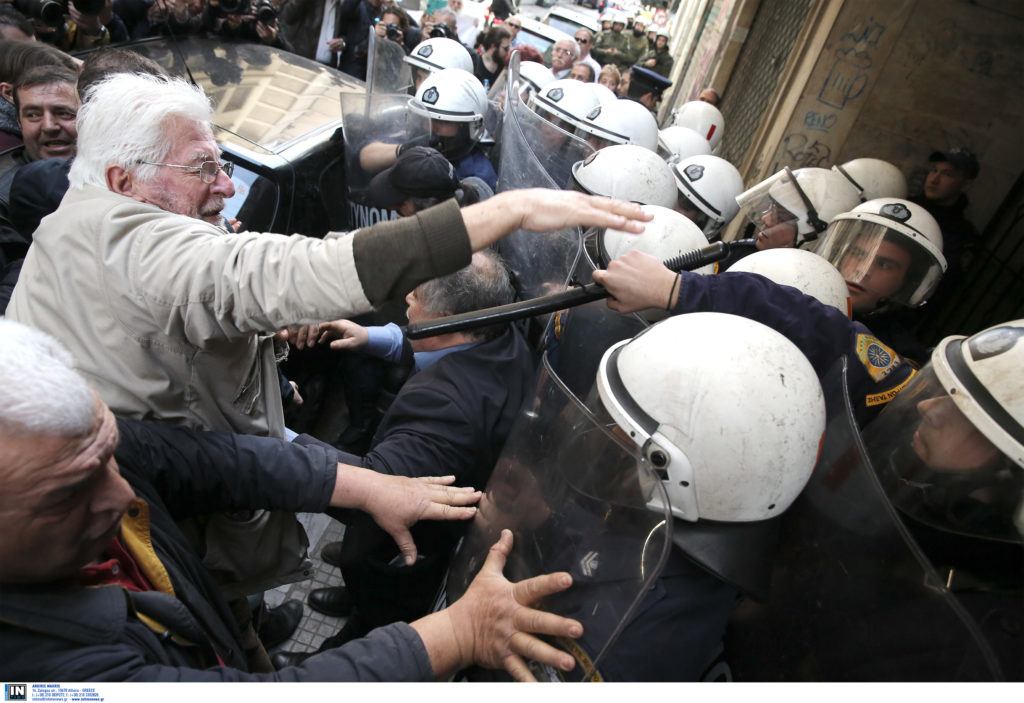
(955, 77)
(896, 80)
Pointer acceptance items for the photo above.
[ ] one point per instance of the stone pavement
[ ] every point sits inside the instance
(314, 627)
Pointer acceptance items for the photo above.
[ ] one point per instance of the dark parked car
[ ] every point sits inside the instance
(278, 118)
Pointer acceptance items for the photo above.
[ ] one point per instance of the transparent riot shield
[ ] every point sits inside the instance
(536, 154)
(372, 121)
(853, 597)
(578, 499)
(577, 338)
(386, 69)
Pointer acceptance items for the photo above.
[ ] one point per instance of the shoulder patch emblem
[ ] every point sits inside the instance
(878, 359)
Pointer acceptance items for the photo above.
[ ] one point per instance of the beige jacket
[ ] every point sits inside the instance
(169, 318)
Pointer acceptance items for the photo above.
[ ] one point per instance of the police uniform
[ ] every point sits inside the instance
(610, 40)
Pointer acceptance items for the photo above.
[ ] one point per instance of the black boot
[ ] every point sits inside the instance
(276, 625)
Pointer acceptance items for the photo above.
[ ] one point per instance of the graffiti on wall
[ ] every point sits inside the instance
(851, 71)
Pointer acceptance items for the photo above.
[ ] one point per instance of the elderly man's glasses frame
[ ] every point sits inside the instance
(207, 171)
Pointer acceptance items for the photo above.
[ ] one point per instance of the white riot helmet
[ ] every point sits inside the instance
(564, 103)
(454, 95)
(604, 95)
(675, 143)
(677, 399)
(535, 76)
(703, 118)
(626, 172)
(798, 203)
(620, 122)
(439, 53)
(874, 178)
(801, 269)
(668, 235)
(949, 447)
(710, 184)
(876, 236)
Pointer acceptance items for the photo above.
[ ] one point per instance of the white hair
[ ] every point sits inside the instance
(572, 44)
(124, 119)
(43, 394)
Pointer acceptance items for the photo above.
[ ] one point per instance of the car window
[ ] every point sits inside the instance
(254, 202)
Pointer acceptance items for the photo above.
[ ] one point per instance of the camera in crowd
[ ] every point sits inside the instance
(392, 31)
(51, 12)
(442, 30)
(264, 9)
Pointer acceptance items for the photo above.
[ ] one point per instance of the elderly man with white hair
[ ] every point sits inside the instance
(99, 584)
(564, 55)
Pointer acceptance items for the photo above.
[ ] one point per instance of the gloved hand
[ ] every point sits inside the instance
(431, 140)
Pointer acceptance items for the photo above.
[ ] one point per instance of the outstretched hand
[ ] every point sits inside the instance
(493, 624)
(545, 210)
(396, 503)
(344, 335)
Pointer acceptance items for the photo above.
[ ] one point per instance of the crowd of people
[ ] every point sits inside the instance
(148, 476)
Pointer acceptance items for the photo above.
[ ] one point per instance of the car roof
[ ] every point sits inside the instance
(578, 18)
(543, 37)
(262, 96)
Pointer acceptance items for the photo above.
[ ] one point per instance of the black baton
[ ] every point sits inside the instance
(572, 297)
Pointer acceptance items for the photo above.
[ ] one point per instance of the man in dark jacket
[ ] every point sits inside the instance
(452, 415)
(98, 583)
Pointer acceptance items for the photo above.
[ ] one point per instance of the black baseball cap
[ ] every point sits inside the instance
(961, 158)
(420, 172)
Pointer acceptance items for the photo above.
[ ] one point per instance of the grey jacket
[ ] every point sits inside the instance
(169, 318)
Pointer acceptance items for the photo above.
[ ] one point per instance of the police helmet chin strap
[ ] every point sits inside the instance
(813, 220)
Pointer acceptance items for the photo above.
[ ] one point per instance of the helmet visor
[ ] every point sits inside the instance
(879, 264)
(775, 225)
(939, 470)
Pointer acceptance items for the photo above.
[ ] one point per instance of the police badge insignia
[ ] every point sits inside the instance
(430, 96)
(556, 95)
(592, 115)
(425, 51)
(895, 211)
(694, 172)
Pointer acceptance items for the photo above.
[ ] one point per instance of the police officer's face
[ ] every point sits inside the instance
(946, 441)
(873, 270)
(778, 228)
(945, 183)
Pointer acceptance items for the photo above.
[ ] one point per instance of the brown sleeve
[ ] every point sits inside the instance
(394, 257)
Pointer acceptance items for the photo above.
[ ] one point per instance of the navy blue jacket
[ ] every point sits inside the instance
(453, 417)
(59, 632)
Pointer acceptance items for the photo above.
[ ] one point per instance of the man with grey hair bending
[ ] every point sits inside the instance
(451, 416)
(98, 583)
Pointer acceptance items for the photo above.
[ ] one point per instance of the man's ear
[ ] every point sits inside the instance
(120, 181)
(7, 91)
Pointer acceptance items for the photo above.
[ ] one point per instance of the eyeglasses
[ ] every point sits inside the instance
(208, 170)
(560, 50)
(582, 40)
